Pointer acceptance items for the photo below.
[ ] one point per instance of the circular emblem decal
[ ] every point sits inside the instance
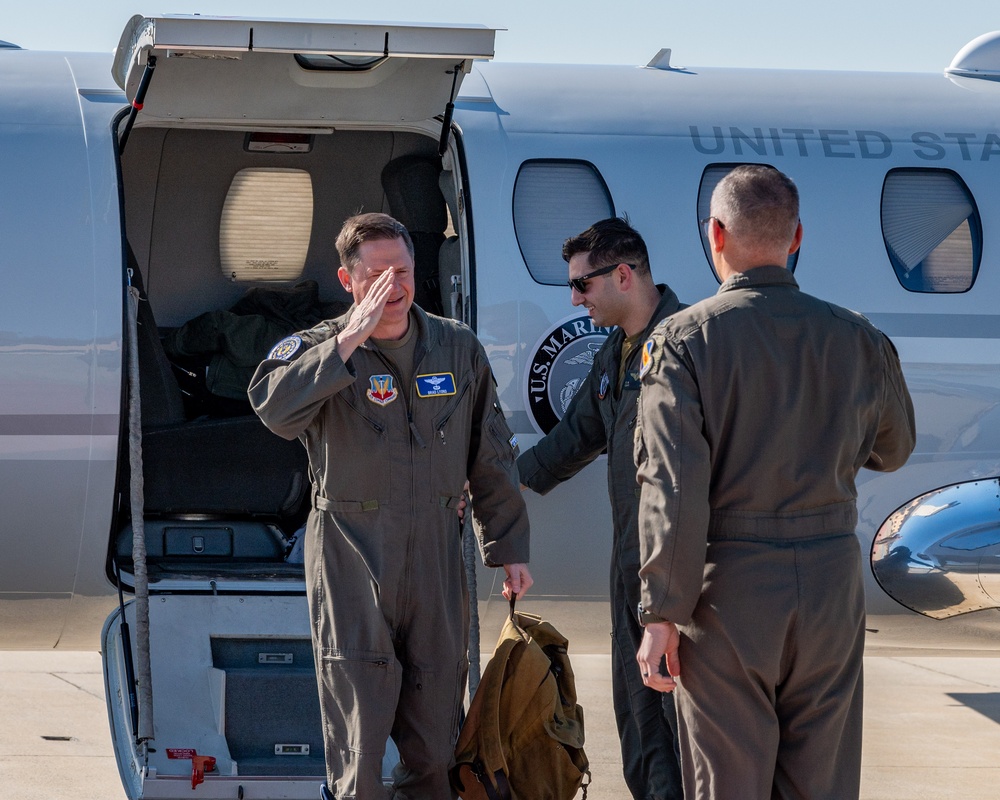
(558, 366)
(286, 348)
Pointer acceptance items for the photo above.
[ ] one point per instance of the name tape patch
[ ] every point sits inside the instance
(439, 384)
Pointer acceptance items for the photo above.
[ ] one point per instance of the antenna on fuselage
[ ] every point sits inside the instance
(661, 60)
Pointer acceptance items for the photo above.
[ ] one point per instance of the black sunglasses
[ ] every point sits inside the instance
(580, 284)
(708, 221)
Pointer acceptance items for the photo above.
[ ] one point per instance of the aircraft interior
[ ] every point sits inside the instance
(220, 490)
(220, 282)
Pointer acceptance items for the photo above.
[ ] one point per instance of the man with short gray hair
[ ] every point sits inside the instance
(758, 407)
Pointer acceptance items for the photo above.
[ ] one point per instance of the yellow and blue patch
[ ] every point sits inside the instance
(647, 358)
(286, 348)
(605, 383)
(440, 384)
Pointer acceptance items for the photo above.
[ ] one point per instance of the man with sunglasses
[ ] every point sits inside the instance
(609, 275)
(758, 407)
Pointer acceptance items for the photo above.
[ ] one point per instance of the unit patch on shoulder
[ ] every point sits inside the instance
(382, 392)
(440, 384)
(647, 357)
(286, 348)
(605, 383)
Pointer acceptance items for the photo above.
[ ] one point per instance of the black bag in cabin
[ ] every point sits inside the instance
(523, 736)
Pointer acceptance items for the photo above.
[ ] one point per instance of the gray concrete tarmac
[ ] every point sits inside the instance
(932, 728)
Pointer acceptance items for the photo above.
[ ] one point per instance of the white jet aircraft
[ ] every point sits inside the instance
(210, 166)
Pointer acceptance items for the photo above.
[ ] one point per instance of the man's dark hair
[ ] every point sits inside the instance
(369, 227)
(610, 241)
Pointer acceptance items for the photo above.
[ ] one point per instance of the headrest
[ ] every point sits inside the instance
(411, 186)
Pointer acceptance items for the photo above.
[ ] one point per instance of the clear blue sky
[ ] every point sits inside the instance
(902, 35)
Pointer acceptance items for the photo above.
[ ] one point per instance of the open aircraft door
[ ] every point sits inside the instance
(214, 693)
(233, 71)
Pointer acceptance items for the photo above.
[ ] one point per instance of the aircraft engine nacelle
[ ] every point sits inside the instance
(939, 554)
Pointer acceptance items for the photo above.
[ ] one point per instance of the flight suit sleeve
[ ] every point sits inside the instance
(499, 516)
(289, 388)
(896, 436)
(576, 440)
(673, 469)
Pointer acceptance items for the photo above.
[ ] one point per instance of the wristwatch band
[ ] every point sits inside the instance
(647, 617)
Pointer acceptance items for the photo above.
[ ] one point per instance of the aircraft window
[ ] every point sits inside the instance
(266, 224)
(554, 200)
(932, 230)
(710, 178)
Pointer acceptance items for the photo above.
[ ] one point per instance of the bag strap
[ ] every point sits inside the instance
(502, 789)
(490, 768)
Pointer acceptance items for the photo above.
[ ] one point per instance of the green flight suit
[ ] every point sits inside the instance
(600, 418)
(383, 560)
(758, 407)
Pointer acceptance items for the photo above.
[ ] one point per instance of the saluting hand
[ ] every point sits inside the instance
(366, 315)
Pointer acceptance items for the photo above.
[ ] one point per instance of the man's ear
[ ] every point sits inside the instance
(796, 240)
(345, 278)
(626, 276)
(716, 235)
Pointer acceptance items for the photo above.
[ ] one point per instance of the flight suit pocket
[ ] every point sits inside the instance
(354, 472)
(453, 412)
(449, 443)
(638, 445)
(358, 405)
(501, 437)
(358, 692)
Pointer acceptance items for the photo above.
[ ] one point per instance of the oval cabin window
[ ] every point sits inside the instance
(266, 224)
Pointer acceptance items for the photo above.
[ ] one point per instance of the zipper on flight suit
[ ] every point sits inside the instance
(379, 428)
(408, 400)
(375, 662)
(455, 404)
(617, 397)
(414, 431)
